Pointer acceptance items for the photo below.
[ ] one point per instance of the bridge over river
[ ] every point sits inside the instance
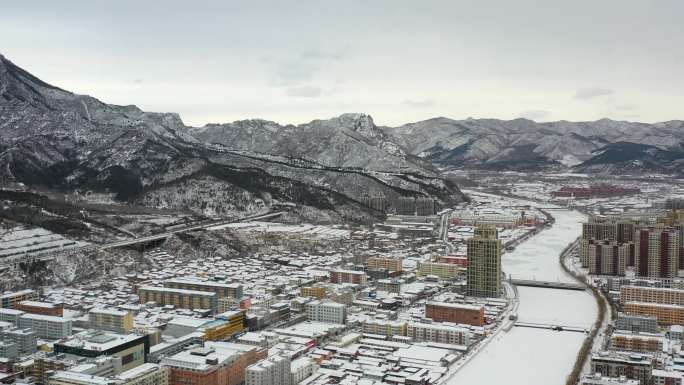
(547, 284)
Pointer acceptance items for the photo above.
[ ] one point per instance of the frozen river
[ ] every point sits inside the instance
(526, 356)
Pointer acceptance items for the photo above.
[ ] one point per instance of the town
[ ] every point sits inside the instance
(411, 300)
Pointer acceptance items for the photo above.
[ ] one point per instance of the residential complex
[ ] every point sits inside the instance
(186, 299)
(439, 269)
(48, 327)
(110, 319)
(221, 290)
(455, 312)
(657, 252)
(274, 370)
(326, 311)
(348, 276)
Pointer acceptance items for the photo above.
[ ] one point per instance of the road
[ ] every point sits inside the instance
(202, 226)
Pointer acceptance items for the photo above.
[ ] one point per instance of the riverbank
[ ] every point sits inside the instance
(536, 356)
(600, 324)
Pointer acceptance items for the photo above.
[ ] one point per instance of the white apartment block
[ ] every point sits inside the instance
(445, 334)
(274, 370)
(302, 368)
(326, 311)
(46, 326)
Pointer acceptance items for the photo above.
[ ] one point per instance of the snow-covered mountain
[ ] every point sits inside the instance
(523, 144)
(349, 140)
(53, 138)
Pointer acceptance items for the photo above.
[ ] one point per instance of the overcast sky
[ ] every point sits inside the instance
(399, 61)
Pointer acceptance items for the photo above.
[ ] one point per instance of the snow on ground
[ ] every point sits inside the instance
(270, 227)
(31, 240)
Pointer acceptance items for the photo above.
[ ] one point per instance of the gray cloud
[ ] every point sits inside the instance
(304, 91)
(422, 103)
(592, 92)
(536, 115)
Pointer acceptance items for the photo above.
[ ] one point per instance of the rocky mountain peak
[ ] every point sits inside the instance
(360, 123)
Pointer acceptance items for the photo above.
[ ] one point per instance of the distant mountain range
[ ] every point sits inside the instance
(353, 140)
(603, 146)
(53, 138)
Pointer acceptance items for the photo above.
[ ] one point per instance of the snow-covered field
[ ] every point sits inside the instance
(23, 240)
(269, 227)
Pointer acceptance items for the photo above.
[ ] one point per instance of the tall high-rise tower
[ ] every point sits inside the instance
(484, 263)
(657, 252)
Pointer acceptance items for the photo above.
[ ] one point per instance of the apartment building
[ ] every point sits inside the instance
(388, 263)
(384, 327)
(642, 343)
(10, 315)
(657, 252)
(44, 366)
(181, 298)
(46, 326)
(217, 363)
(616, 231)
(145, 374)
(326, 311)
(390, 285)
(634, 367)
(439, 269)
(440, 333)
(233, 290)
(36, 307)
(348, 276)
(609, 229)
(484, 263)
(598, 379)
(26, 340)
(318, 292)
(110, 319)
(666, 377)
(9, 300)
(636, 323)
(8, 349)
(661, 295)
(665, 314)
(274, 370)
(455, 312)
(609, 257)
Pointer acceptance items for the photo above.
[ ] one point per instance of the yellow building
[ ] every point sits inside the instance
(110, 319)
(9, 300)
(225, 326)
(389, 264)
(185, 299)
(385, 327)
(318, 292)
(440, 269)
